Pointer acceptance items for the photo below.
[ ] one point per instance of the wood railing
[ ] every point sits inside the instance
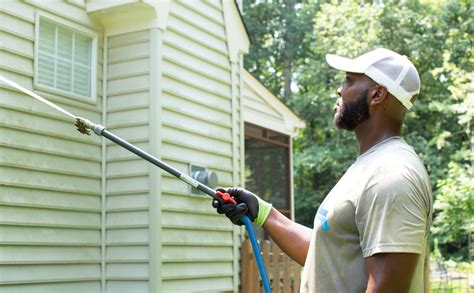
(282, 271)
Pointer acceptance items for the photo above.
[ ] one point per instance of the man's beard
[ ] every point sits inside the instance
(351, 114)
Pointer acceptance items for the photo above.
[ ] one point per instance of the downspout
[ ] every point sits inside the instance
(242, 156)
(103, 171)
(235, 166)
(242, 122)
(292, 187)
(155, 243)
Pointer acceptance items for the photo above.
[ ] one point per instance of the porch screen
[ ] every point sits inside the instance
(267, 166)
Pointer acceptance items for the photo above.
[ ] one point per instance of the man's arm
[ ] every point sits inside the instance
(390, 272)
(291, 237)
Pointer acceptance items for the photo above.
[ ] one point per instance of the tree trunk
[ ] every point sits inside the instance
(289, 43)
(288, 72)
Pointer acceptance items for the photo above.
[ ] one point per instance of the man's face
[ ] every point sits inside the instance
(352, 107)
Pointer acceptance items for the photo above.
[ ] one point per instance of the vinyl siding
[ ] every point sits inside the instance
(197, 247)
(53, 216)
(127, 176)
(255, 104)
(50, 227)
(259, 111)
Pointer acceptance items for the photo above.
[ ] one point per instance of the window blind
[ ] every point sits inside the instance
(64, 59)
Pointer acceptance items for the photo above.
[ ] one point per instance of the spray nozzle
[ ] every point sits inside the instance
(83, 125)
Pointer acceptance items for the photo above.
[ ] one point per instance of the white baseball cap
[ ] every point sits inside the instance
(385, 67)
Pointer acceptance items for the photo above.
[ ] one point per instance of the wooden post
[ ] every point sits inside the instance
(245, 268)
(296, 275)
(280, 268)
(287, 274)
(266, 255)
(276, 268)
(255, 286)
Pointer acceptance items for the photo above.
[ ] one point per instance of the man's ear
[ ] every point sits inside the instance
(377, 94)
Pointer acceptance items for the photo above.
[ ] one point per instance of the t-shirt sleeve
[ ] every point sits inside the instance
(391, 215)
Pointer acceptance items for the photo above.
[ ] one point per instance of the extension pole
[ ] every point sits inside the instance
(84, 127)
(101, 131)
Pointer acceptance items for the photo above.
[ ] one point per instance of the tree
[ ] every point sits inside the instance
(278, 32)
(323, 153)
(437, 36)
(455, 206)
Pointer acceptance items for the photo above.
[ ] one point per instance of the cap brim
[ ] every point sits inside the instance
(343, 63)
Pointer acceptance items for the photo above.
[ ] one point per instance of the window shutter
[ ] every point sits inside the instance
(82, 69)
(64, 59)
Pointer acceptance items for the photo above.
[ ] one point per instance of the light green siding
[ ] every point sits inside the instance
(50, 211)
(197, 247)
(81, 214)
(127, 184)
(255, 105)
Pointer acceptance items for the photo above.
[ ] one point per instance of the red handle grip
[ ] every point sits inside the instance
(225, 197)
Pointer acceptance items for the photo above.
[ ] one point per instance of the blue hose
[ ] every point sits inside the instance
(100, 130)
(258, 256)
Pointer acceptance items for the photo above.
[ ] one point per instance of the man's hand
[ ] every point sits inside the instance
(247, 203)
(291, 237)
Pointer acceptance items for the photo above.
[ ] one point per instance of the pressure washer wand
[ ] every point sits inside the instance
(83, 125)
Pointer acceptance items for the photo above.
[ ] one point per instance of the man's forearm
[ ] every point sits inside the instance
(291, 237)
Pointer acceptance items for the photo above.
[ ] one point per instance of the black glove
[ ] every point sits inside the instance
(247, 203)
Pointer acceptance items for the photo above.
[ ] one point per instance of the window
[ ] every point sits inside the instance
(267, 166)
(65, 59)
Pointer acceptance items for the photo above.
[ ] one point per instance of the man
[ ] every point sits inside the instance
(370, 231)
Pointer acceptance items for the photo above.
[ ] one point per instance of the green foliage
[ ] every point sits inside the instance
(322, 153)
(278, 30)
(455, 207)
(436, 35)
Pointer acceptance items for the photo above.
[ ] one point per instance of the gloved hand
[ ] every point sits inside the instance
(247, 203)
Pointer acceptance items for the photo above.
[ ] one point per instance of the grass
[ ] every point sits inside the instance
(454, 286)
(453, 277)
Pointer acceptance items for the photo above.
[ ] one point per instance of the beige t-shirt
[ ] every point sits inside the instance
(382, 204)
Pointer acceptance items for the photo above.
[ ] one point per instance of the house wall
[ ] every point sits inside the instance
(197, 127)
(50, 175)
(80, 214)
(259, 112)
(127, 186)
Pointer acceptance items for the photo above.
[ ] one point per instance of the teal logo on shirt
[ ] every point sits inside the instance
(322, 217)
